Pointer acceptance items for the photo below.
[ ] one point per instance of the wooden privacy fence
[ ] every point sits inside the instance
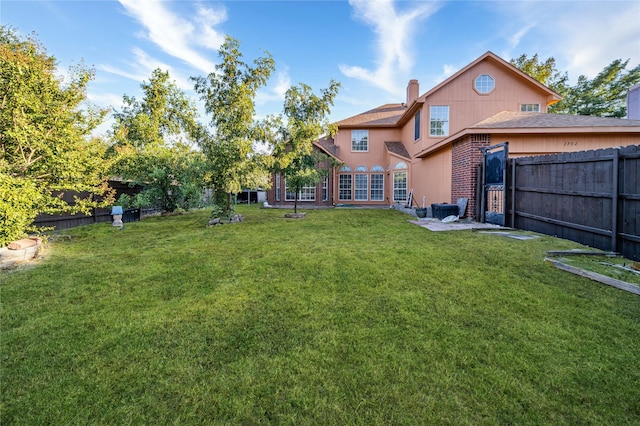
(591, 197)
(65, 221)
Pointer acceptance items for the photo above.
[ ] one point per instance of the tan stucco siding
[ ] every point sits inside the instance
(468, 107)
(377, 153)
(526, 145)
(431, 177)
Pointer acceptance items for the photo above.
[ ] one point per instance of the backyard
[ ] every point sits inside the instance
(345, 317)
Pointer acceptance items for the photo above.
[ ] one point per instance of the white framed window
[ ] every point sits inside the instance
(361, 187)
(530, 107)
(277, 186)
(439, 120)
(344, 187)
(400, 183)
(307, 193)
(325, 188)
(360, 140)
(484, 84)
(416, 126)
(377, 184)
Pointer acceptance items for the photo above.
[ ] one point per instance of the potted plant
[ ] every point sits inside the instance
(421, 212)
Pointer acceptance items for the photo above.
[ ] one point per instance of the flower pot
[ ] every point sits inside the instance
(421, 212)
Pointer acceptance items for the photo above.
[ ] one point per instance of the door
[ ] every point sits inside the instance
(494, 176)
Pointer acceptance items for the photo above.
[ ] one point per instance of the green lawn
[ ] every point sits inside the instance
(345, 317)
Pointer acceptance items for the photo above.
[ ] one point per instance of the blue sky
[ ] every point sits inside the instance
(373, 48)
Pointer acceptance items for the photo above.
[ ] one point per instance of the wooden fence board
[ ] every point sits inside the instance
(591, 197)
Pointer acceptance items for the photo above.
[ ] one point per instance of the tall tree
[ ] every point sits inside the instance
(229, 96)
(46, 147)
(543, 71)
(603, 96)
(306, 116)
(153, 137)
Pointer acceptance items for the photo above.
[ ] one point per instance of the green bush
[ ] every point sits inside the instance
(19, 199)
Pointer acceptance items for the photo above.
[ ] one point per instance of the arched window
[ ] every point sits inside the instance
(345, 169)
(377, 169)
(361, 169)
(400, 165)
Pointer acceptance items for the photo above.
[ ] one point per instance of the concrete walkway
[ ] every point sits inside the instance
(462, 224)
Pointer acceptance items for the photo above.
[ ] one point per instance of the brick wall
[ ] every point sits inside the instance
(465, 158)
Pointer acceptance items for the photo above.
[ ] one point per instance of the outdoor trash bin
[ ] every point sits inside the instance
(440, 211)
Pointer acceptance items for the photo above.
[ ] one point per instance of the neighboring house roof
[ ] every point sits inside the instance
(511, 122)
(397, 148)
(383, 116)
(326, 144)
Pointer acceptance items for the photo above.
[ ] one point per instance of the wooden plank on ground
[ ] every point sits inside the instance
(622, 285)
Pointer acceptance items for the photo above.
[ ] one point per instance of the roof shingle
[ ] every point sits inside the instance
(531, 120)
(388, 114)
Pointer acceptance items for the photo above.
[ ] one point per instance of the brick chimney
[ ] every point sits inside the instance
(412, 91)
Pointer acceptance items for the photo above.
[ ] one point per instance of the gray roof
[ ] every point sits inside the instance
(327, 144)
(535, 120)
(397, 148)
(384, 115)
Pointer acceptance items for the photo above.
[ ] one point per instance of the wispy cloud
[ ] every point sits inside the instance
(617, 36)
(274, 92)
(141, 67)
(583, 36)
(177, 36)
(394, 31)
(447, 71)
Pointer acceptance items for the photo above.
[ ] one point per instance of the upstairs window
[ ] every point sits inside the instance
(484, 84)
(530, 107)
(439, 120)
(416, 128)
(359, 140)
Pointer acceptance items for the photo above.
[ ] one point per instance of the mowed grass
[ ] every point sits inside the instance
(345, 317)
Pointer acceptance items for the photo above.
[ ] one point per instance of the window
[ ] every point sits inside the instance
(344, 187)
(362, 187)
(530, 107)
(439, 120)
(325, 188)
(416, 126)
(359, 140)
(377, 184)
(307, 193)
(278, 187)
(400, 183)
(484, 84)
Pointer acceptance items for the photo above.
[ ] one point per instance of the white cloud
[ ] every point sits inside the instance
(447, 71)
(583, 36)
(617, 37)
(394, 31)
(177, 36)
(275, 92)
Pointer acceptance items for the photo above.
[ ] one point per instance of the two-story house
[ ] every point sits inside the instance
(430, 144)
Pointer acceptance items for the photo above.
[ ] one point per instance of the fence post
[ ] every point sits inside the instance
(614, 200)
(513, 192)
